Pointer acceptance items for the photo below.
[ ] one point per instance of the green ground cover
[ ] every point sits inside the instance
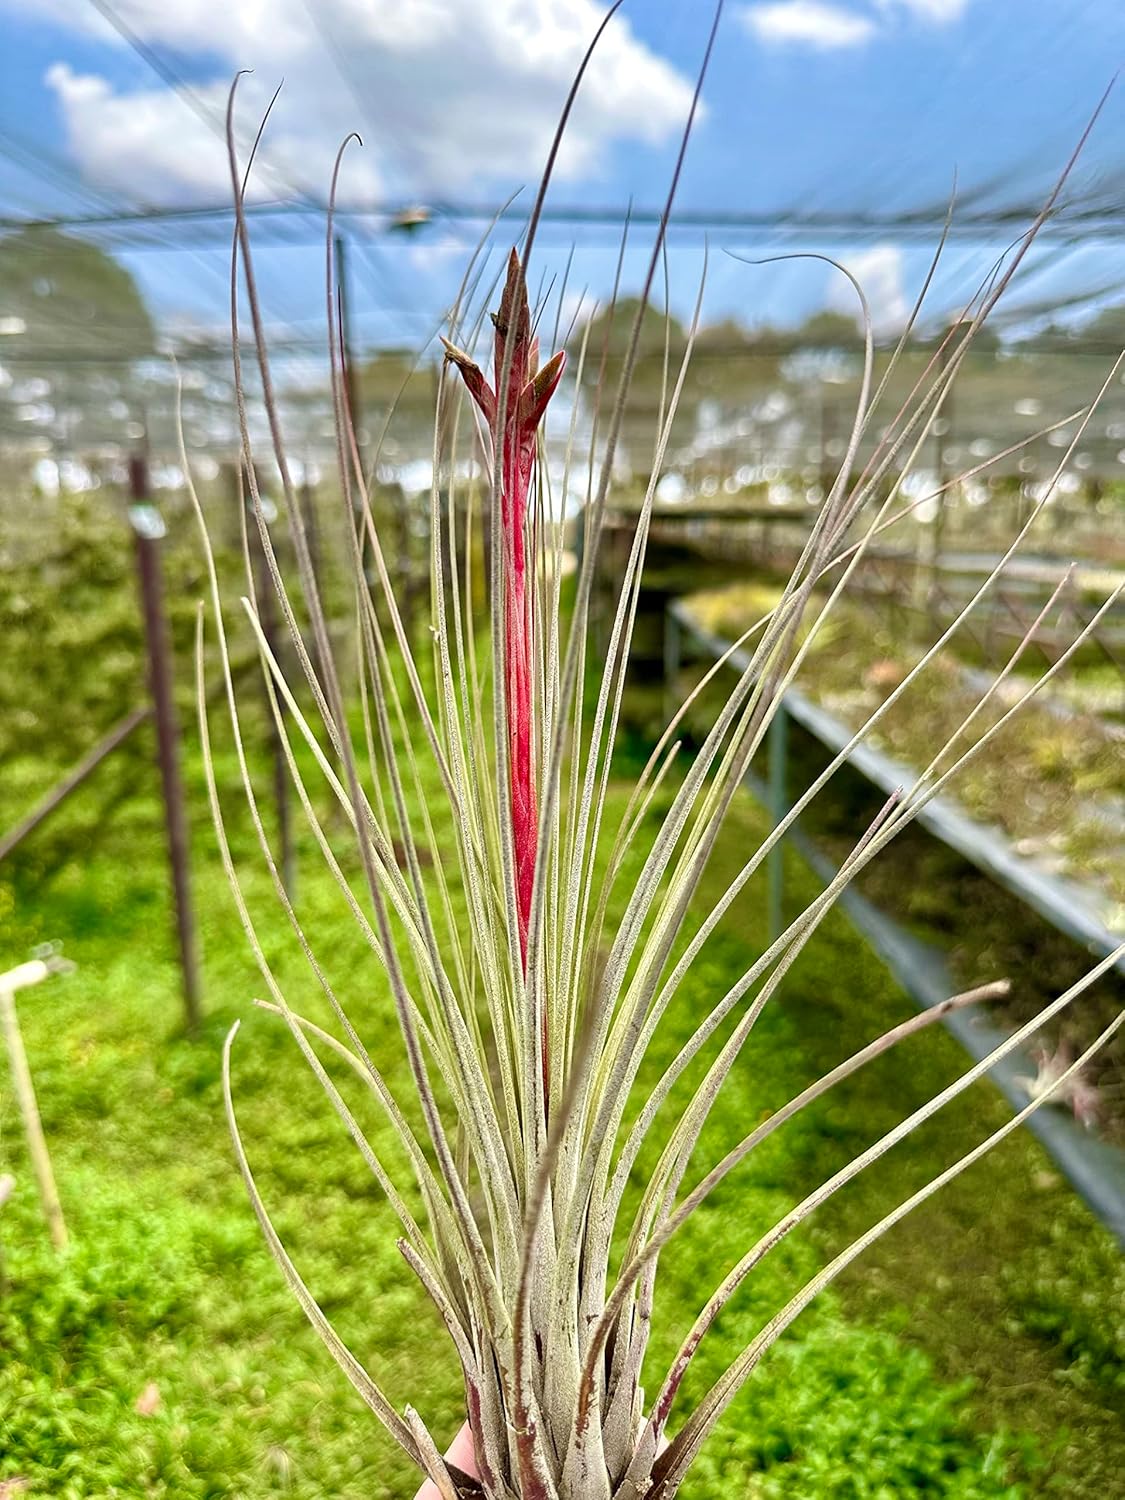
(978, 1352)
(973, 1355)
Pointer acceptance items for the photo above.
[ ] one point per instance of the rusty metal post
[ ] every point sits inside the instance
(148, 528)
(59, 793)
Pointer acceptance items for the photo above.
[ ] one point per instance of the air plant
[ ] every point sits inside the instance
(528, 979)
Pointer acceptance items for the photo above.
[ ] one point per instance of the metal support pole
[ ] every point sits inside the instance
(16, 979)
(148, 528)
(58, 794)
(778, 736)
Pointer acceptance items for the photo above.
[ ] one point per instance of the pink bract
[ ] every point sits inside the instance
(515, 430)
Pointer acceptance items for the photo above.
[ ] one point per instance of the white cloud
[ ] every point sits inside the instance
(432, 255)
(576, 309)
(809, 23)
(938, 12)
(879, 273)
(448, 94)
(827, 27)
(152, 144)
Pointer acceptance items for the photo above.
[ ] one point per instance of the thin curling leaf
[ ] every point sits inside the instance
(343, 1356)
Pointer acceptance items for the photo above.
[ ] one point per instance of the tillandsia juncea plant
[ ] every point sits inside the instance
(530, 950)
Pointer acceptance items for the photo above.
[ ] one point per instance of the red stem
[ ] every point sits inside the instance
(518, 638)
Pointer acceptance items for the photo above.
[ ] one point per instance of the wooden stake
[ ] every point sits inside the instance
(31, 973)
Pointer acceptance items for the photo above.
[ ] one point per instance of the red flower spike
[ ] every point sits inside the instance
(528, 393)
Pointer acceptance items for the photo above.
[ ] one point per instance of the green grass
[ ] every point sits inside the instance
(889, 1387)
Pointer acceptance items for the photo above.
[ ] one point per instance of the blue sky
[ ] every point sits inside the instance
(836, 108)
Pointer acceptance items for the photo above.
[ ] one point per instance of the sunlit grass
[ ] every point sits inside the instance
(167, 1280)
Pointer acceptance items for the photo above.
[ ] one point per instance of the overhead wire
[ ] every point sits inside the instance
(288, 220)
